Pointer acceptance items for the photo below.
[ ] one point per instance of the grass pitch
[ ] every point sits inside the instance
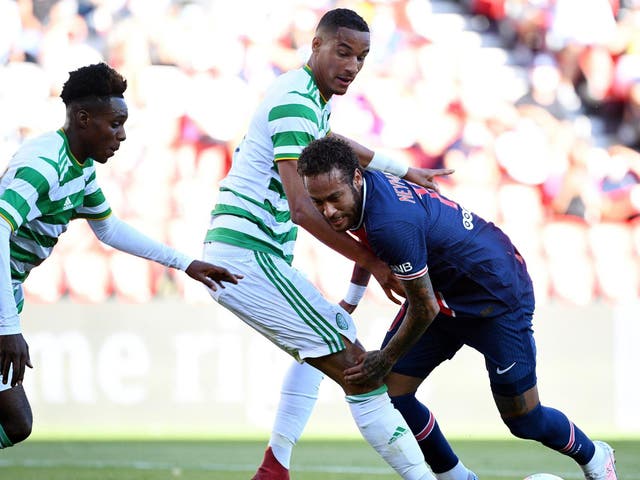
(237, 460)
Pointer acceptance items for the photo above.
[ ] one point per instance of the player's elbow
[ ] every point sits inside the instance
(433, 309)
(301, 216)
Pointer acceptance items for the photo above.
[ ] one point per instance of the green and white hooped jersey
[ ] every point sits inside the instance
(252, 209)
(42, 190)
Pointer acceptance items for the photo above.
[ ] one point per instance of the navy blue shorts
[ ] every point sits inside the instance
(506, 342)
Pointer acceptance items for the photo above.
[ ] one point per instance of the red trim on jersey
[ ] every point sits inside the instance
(413, 276)
(444, 308)
(361, 234)
(399, 316)
(446, 202)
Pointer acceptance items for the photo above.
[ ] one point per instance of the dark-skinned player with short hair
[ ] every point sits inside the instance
(50, 181)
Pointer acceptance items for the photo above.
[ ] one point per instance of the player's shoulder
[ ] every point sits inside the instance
(44, 143)
(284, 82)
(387, 186)
(387, 197)
(293, 87)
(39, 149)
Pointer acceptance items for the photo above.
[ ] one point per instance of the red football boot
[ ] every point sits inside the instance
(271, 469)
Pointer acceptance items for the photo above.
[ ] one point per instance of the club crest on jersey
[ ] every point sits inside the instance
(405, 267)
(341, 322)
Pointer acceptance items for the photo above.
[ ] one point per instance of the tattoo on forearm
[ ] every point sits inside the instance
(420, 314)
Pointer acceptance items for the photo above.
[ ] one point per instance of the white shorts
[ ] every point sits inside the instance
(6, 386)
(280, 303)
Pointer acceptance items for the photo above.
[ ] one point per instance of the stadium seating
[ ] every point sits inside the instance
(635, 235)
(520, 204)
(616, 269)
(134, 279)
(571, 273)
(88, 276)
(187, 235)
(618, 280)
(46, 283)
(610, 241)
(477, 198)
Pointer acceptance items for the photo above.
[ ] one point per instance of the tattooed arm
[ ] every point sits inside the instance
(423, 308)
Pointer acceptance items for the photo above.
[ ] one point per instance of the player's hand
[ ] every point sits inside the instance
(426, 176)
(211, 275)
(387, 280)
(14, 351)
(372, 367)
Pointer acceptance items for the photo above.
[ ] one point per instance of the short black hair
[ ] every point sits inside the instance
(323, 155)
(342, 17)
(97, 82)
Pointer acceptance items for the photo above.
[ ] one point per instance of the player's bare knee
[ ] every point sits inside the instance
(361, 388)
(18, 428)
(16, 418)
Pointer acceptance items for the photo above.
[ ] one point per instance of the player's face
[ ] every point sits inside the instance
(104, 130)
(337, 59)
(339, 202)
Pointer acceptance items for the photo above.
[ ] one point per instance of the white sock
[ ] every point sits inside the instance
(297, 399)
(459, 472)
(387, 432)
(595, 464)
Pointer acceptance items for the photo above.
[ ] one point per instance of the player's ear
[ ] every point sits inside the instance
(357, 179)
(315, 43)
(81, 117)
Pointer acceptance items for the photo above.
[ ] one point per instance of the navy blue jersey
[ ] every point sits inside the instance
(474, 268)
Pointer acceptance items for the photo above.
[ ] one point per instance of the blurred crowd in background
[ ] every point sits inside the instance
(535, 103)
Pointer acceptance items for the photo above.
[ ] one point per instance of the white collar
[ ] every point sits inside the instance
(364, 200)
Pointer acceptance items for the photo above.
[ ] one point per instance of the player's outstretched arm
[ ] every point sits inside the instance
(425, 177)
(124, 237)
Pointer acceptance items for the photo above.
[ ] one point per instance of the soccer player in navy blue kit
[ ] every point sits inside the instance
(465, 284)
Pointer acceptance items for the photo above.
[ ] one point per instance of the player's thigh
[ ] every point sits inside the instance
(509, 350)
(434, 347)
(279, 302)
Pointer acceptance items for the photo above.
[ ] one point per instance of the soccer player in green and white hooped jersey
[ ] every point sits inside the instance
(253, 228)
(50, 181)
(296, 113)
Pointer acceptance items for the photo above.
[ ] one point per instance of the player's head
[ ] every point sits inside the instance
(333, 178)
(339, 47)
(96, 111)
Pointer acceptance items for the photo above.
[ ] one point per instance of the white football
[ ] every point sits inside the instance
(543, 476)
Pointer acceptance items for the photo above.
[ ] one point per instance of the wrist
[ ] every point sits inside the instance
(10, 326)
(183, 262)
(388, 358)
(387, 164)
(354, 293)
